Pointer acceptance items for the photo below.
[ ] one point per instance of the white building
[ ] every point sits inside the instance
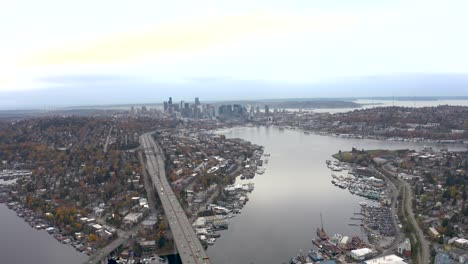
(360, 254)
(200, 222)
(390, 259)
(132, 218)
(462, 243)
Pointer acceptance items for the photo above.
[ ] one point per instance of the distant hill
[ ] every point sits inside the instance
(84, 91)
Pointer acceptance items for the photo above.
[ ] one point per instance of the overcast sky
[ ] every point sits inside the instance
(282, 48)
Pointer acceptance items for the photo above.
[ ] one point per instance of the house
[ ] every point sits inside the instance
(433, 233)
(99, 212)
(404, 249)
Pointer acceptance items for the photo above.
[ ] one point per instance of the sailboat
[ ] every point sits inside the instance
(320, 231)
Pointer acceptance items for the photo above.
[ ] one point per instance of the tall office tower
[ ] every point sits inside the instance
(222, 110)
(181, 106)
(267, 110)
(197, 101)
(257, 109)
(165, 106)
(170, 100)
(186, 110)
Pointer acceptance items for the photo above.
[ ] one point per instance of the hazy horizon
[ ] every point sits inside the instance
(115, 90)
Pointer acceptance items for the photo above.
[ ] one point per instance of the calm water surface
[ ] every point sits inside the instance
(383, 103)
(19, 243)
(283, 212)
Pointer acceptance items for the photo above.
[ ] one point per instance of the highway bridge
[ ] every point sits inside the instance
(189, 247)
(101, 255)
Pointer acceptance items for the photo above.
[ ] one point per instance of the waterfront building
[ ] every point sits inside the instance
(390, 259)
(360, 254)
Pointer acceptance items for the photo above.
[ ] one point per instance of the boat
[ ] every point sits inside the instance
(315, 256)
(213, 235)
(322, 234)
(336, 168)
(211, 241)
(320, 231)
(298, 260)
(317, 243)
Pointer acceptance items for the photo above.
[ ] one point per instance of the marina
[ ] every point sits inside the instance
(216, 217)
(298, 181)
(375, 222)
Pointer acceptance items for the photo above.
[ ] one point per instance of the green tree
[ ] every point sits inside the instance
(445, 222)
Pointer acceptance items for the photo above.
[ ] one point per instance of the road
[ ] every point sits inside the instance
(149, 187)
(188, 245)
(107, 139)
(407, 195)
(394, 196)
(104, 252)
(407, 198)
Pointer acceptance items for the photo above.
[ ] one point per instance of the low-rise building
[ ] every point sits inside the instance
(132, 218)
(390, 259)
(404, 249)
(360, 254)
(149, 224)
(148, 246)
(442, 258)
(433, 233)
(461, 243)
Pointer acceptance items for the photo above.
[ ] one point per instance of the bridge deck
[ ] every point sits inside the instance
(188, 245)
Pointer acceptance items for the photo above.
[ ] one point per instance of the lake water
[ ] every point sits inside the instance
(283, 212)
(383, 103)
(20, 243)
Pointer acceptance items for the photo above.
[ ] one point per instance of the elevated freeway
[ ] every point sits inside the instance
(189, 247)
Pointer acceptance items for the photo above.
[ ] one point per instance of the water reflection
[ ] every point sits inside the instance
(284, 210)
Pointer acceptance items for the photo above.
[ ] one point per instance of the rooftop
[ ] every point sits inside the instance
(361, 252)
(390, 259)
